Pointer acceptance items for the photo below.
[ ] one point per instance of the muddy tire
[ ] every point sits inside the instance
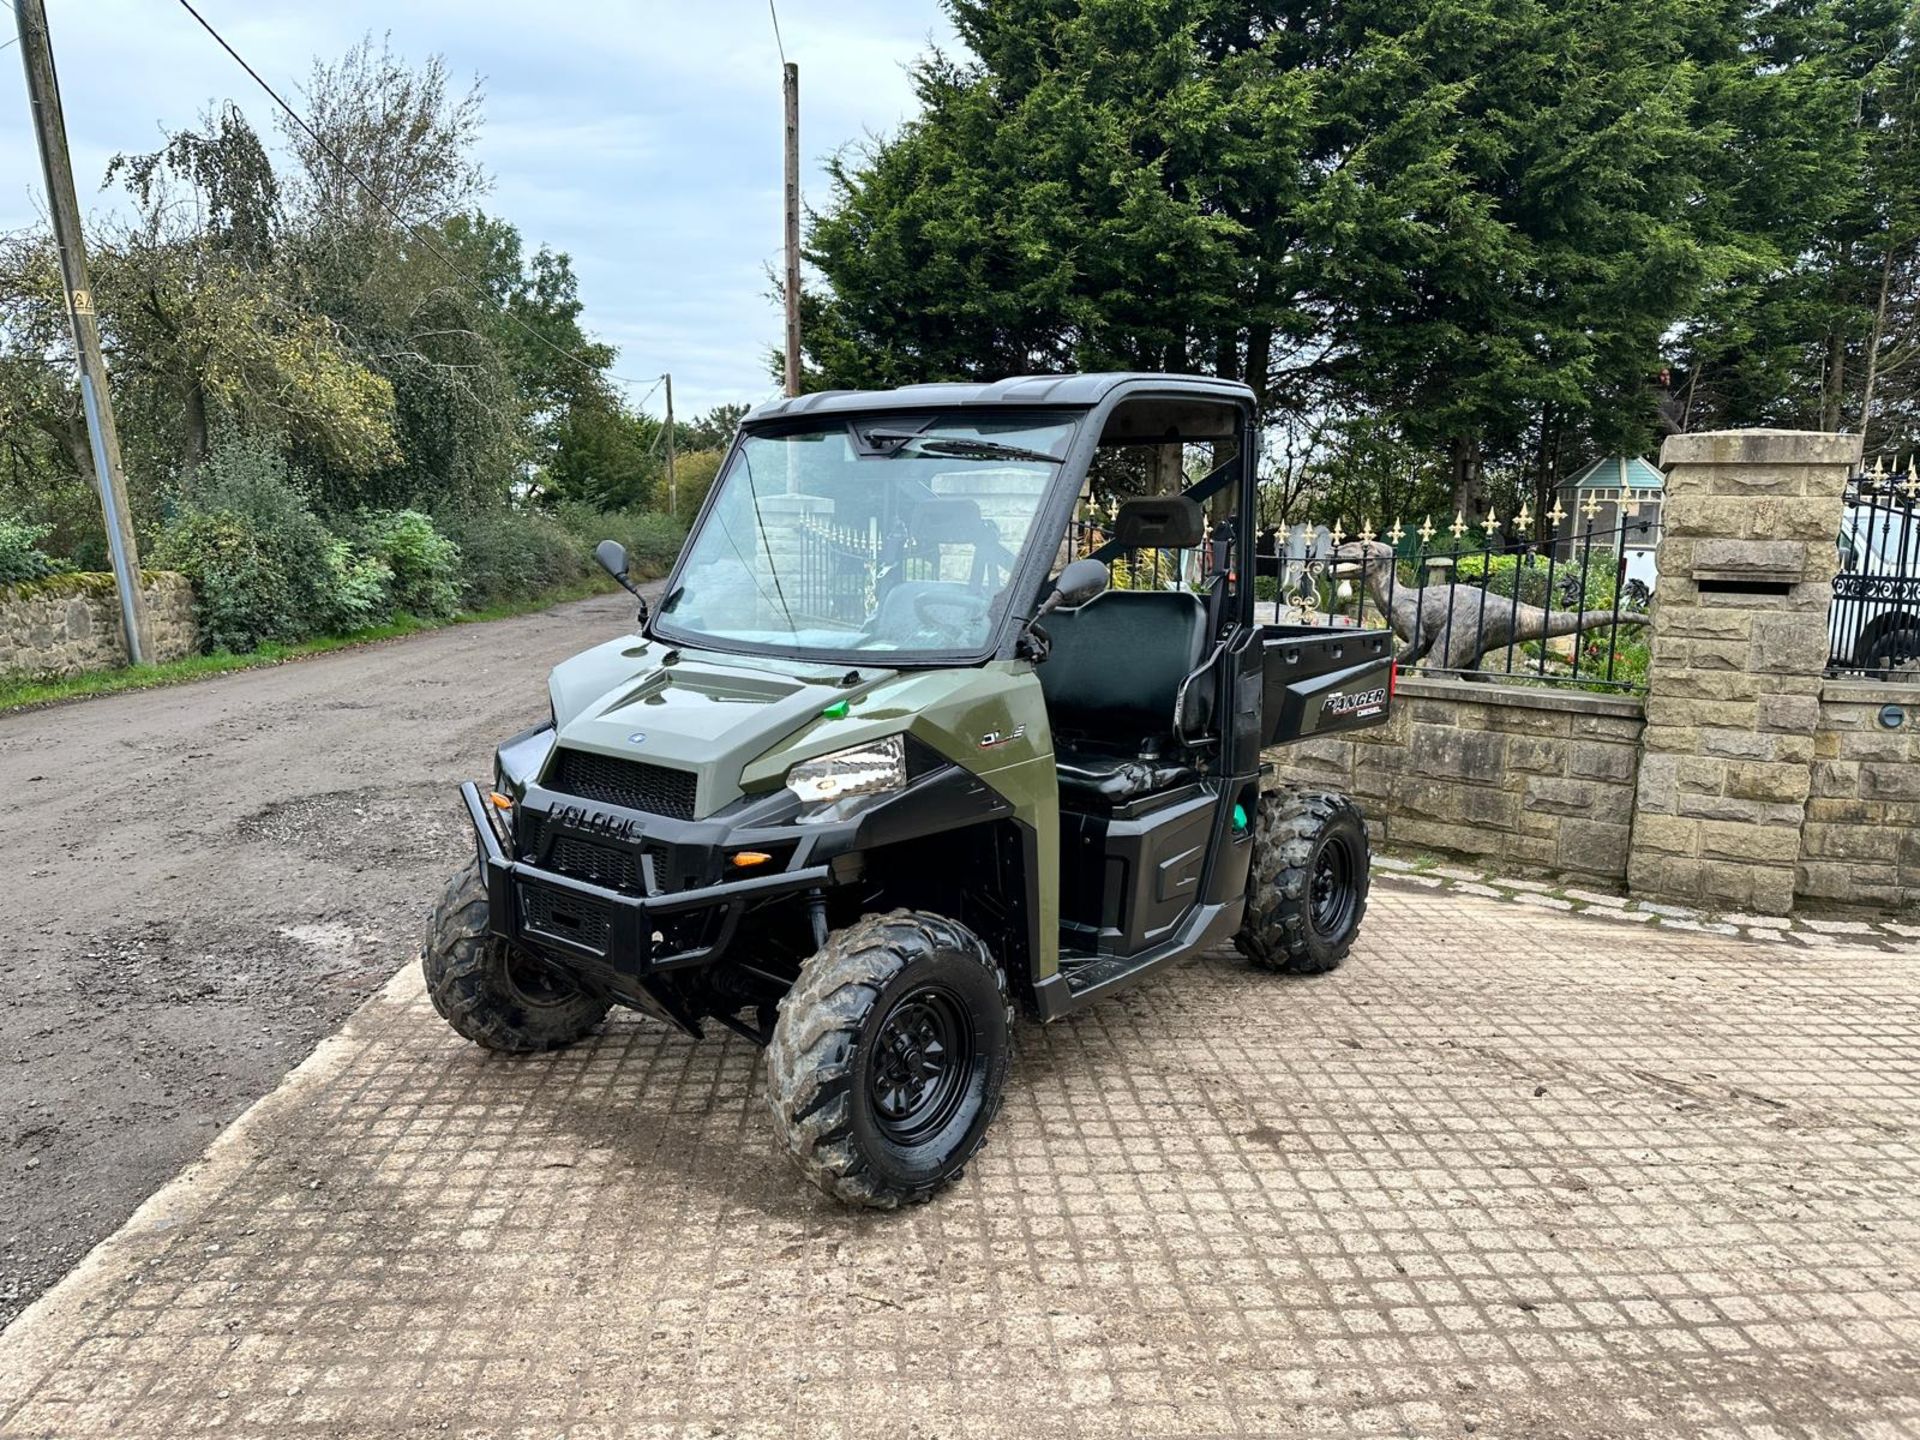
(1307, 892)
(889, 1058)
(491, 993)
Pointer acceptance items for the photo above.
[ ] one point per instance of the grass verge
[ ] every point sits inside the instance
(28, 694)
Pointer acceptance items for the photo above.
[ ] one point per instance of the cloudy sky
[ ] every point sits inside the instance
(643, 138)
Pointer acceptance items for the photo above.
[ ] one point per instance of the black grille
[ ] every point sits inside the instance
(630, 784)
(600, 864)
(527, 825)
(565, 917)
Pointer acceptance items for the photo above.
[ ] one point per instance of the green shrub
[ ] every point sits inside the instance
(362, 589)
(424, 565)
(693, 476)
(1628, 650)
(258, 557)
(21, 557)
(652, 539)
(511, 554)
(250, 584)
(1526, 576)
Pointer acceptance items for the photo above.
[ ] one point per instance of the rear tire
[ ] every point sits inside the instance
(1307, 892)
(889, 1058)
(492, 993)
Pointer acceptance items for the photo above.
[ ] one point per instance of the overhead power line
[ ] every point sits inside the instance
(778, 43)
(378, 199)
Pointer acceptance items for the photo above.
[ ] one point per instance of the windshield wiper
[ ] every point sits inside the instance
(956, 447)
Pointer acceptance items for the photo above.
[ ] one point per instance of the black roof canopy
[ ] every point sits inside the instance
(1082, 391)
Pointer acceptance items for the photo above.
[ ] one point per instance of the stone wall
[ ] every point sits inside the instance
(1860, 841)
(1519, 776)
(1739, 641)
(68, 624)
(1745, 781)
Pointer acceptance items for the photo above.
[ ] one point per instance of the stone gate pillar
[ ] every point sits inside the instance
(1746, 564)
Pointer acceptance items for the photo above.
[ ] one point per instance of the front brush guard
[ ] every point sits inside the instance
(628, 950)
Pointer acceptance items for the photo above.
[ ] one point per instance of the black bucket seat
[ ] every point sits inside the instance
(1117, 675)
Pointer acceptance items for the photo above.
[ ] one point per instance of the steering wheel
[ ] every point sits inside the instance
(970, 605)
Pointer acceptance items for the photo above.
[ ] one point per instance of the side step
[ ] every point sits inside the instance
(1097, 970)
(1082, 979)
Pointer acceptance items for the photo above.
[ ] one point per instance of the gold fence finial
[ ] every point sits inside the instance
(1459, 525)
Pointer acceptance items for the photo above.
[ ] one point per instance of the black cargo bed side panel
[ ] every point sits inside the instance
(1322, 681)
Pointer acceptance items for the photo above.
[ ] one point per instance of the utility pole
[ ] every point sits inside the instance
(49, 125)
(793, 228)
(673, 483)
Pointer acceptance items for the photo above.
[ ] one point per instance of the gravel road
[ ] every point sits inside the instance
(205, 880)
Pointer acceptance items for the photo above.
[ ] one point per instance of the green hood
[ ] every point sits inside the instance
(740, 722)
(707, 713)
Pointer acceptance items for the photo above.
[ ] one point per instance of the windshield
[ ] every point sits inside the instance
(893, 535)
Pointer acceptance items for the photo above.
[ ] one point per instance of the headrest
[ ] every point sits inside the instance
(945, 522)
(1164, 522)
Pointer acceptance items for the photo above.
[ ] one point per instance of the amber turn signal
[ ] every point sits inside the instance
(499, 801)
(747, 858)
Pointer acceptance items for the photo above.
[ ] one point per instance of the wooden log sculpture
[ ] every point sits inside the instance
(1450, 627)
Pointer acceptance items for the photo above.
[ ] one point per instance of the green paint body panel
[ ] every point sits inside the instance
(954, 712)
(739, 723)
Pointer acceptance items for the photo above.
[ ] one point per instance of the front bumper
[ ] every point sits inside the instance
(620, 935)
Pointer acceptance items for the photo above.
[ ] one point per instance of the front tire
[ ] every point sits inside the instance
(492, 993)
(1308, 890)
(889, 1058)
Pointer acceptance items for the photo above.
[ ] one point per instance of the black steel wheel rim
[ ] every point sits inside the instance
(922, 1060)
(1330, 893)
(535, 984)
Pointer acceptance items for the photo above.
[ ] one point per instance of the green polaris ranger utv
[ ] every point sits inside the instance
(954, 698)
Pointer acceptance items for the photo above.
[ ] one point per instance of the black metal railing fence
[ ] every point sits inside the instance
(1479, 597)
(1873, 627)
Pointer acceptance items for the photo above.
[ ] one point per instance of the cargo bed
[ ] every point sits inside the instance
(1320, 680)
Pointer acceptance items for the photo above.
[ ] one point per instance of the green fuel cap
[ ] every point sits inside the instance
(1239, 817)
(836, 711)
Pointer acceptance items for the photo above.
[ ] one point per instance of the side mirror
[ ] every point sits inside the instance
(612, 556)
(1080, 582)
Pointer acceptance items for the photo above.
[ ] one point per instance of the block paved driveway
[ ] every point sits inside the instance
(1509, 1172)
